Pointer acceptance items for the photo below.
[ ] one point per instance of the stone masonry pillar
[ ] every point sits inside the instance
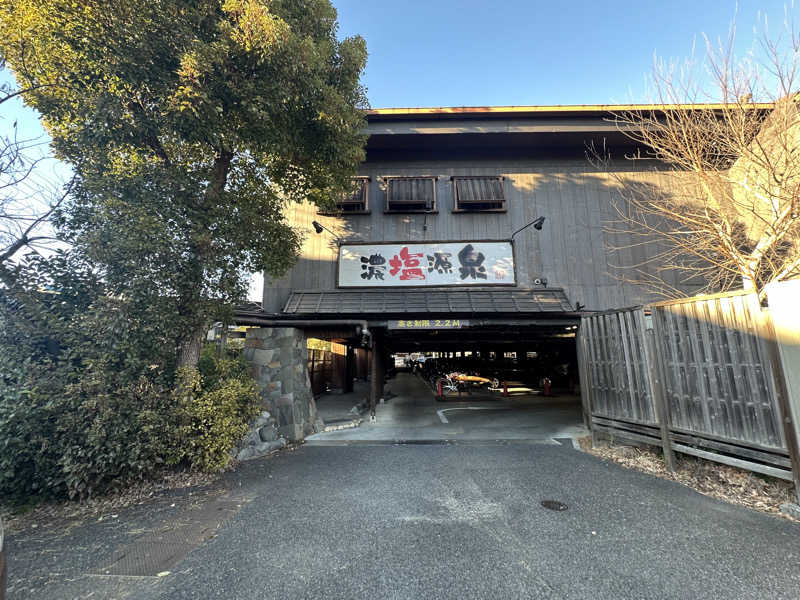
(279, 360)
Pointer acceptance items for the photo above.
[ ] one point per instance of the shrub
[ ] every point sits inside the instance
(215, 367)
(88, 399)
(216, 403)
(28, 454)
(114, 434)
(84, 439)
(82, 408)
(100, 433)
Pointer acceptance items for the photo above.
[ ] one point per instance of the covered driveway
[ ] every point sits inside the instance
(413, 414)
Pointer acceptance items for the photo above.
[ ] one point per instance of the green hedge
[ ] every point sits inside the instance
(216, 402)
(100, 433)
(85, 438)
(89, 396)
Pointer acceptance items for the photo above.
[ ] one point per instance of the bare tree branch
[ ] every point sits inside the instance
(28, 199)
(729, 215)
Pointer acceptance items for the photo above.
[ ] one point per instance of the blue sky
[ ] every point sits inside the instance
(475, 53)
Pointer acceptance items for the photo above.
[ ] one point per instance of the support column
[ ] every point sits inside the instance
(279, 360)
(349, 368)
(376, 373)
(363, 363)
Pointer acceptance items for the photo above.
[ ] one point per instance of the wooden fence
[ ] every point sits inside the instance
(617, 365)
(693, 376)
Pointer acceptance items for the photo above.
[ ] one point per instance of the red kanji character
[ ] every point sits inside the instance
(405, 259)
(412, 274)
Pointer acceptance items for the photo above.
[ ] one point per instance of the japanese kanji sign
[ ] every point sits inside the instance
(430, 264)
(429, 324)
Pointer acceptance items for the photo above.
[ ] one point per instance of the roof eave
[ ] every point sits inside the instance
(596, 110)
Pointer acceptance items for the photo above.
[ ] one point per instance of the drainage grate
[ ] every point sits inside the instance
(162, 549)
(554, 505)
(146, 559)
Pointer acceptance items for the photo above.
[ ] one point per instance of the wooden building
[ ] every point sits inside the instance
(528, 161)
(442, 245)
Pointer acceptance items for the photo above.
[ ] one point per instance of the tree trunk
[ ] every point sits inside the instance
(190, 348)
(222, 343)
(192, 344)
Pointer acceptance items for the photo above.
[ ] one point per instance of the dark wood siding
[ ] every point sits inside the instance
(571, 251)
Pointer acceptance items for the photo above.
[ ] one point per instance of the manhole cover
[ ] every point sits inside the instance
(554, 505)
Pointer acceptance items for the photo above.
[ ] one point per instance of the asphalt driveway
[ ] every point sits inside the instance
(451, 520)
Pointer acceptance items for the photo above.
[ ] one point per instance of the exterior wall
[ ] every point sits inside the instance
(572, 250)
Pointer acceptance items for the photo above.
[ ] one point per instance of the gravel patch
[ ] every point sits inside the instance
(737, 486)
(51, 514)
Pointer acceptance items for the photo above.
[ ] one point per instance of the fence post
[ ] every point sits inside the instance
(583, 374)
(783, 347)
(655, 377)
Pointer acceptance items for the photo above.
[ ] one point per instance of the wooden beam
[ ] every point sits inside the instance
(656, 382)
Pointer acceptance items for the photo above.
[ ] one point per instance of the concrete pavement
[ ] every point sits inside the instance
(446, 520)
(412, 414)
(338, 407)
(465, 521)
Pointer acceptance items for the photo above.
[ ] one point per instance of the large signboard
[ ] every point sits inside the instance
(428, 264)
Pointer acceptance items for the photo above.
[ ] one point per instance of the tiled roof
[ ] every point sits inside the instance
(417, 301)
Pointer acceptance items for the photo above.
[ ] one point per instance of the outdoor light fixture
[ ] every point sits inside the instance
(319, 228)
(537, 225)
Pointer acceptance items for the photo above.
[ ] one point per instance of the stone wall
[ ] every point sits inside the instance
(279, 360)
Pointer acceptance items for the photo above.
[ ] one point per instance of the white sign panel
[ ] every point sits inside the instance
(428, 264)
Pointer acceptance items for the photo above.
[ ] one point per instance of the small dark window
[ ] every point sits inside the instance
(479, 193)
(354, 202)
(410, 194)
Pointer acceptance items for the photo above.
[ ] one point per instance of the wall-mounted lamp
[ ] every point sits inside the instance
(537, 225)
(319, 228)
